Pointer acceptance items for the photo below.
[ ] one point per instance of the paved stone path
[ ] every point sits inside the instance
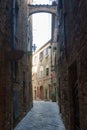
(43, 116)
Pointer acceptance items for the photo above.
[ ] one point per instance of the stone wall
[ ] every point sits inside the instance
(43, 72)
(15, 70)
(5, 68)
(72, 62)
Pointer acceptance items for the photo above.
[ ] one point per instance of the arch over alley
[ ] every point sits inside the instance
(42, 8)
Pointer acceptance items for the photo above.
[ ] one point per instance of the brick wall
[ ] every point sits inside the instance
(5, 75)
(72, 48)
(12, 89)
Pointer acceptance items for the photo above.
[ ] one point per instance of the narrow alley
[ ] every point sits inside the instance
(43, 116)
(43, 61)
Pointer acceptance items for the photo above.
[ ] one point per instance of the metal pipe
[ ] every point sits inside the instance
(13, 22)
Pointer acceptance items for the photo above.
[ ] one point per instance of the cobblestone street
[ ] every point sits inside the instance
(43, 116)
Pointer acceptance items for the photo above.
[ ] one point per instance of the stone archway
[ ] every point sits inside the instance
(42, 8)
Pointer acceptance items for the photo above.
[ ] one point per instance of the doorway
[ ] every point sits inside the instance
(41, 93)
(74, 100)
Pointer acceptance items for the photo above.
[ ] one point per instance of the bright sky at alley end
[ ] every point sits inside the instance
(41, 25)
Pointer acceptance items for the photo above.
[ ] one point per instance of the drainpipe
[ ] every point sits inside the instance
(64, 20)
(65, 39)
(13, 38)
(13, 20)
(12, 48)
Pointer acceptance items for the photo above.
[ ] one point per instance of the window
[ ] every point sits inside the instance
(46, 51)
(41, 71)
(60, 5)
(41, 55)
(47, 71)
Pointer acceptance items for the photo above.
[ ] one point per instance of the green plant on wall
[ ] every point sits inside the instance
(53, 97)
(53, 84)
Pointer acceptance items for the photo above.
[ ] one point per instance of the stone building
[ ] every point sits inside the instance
(43, 73)
(71, 63)
(15, 62)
